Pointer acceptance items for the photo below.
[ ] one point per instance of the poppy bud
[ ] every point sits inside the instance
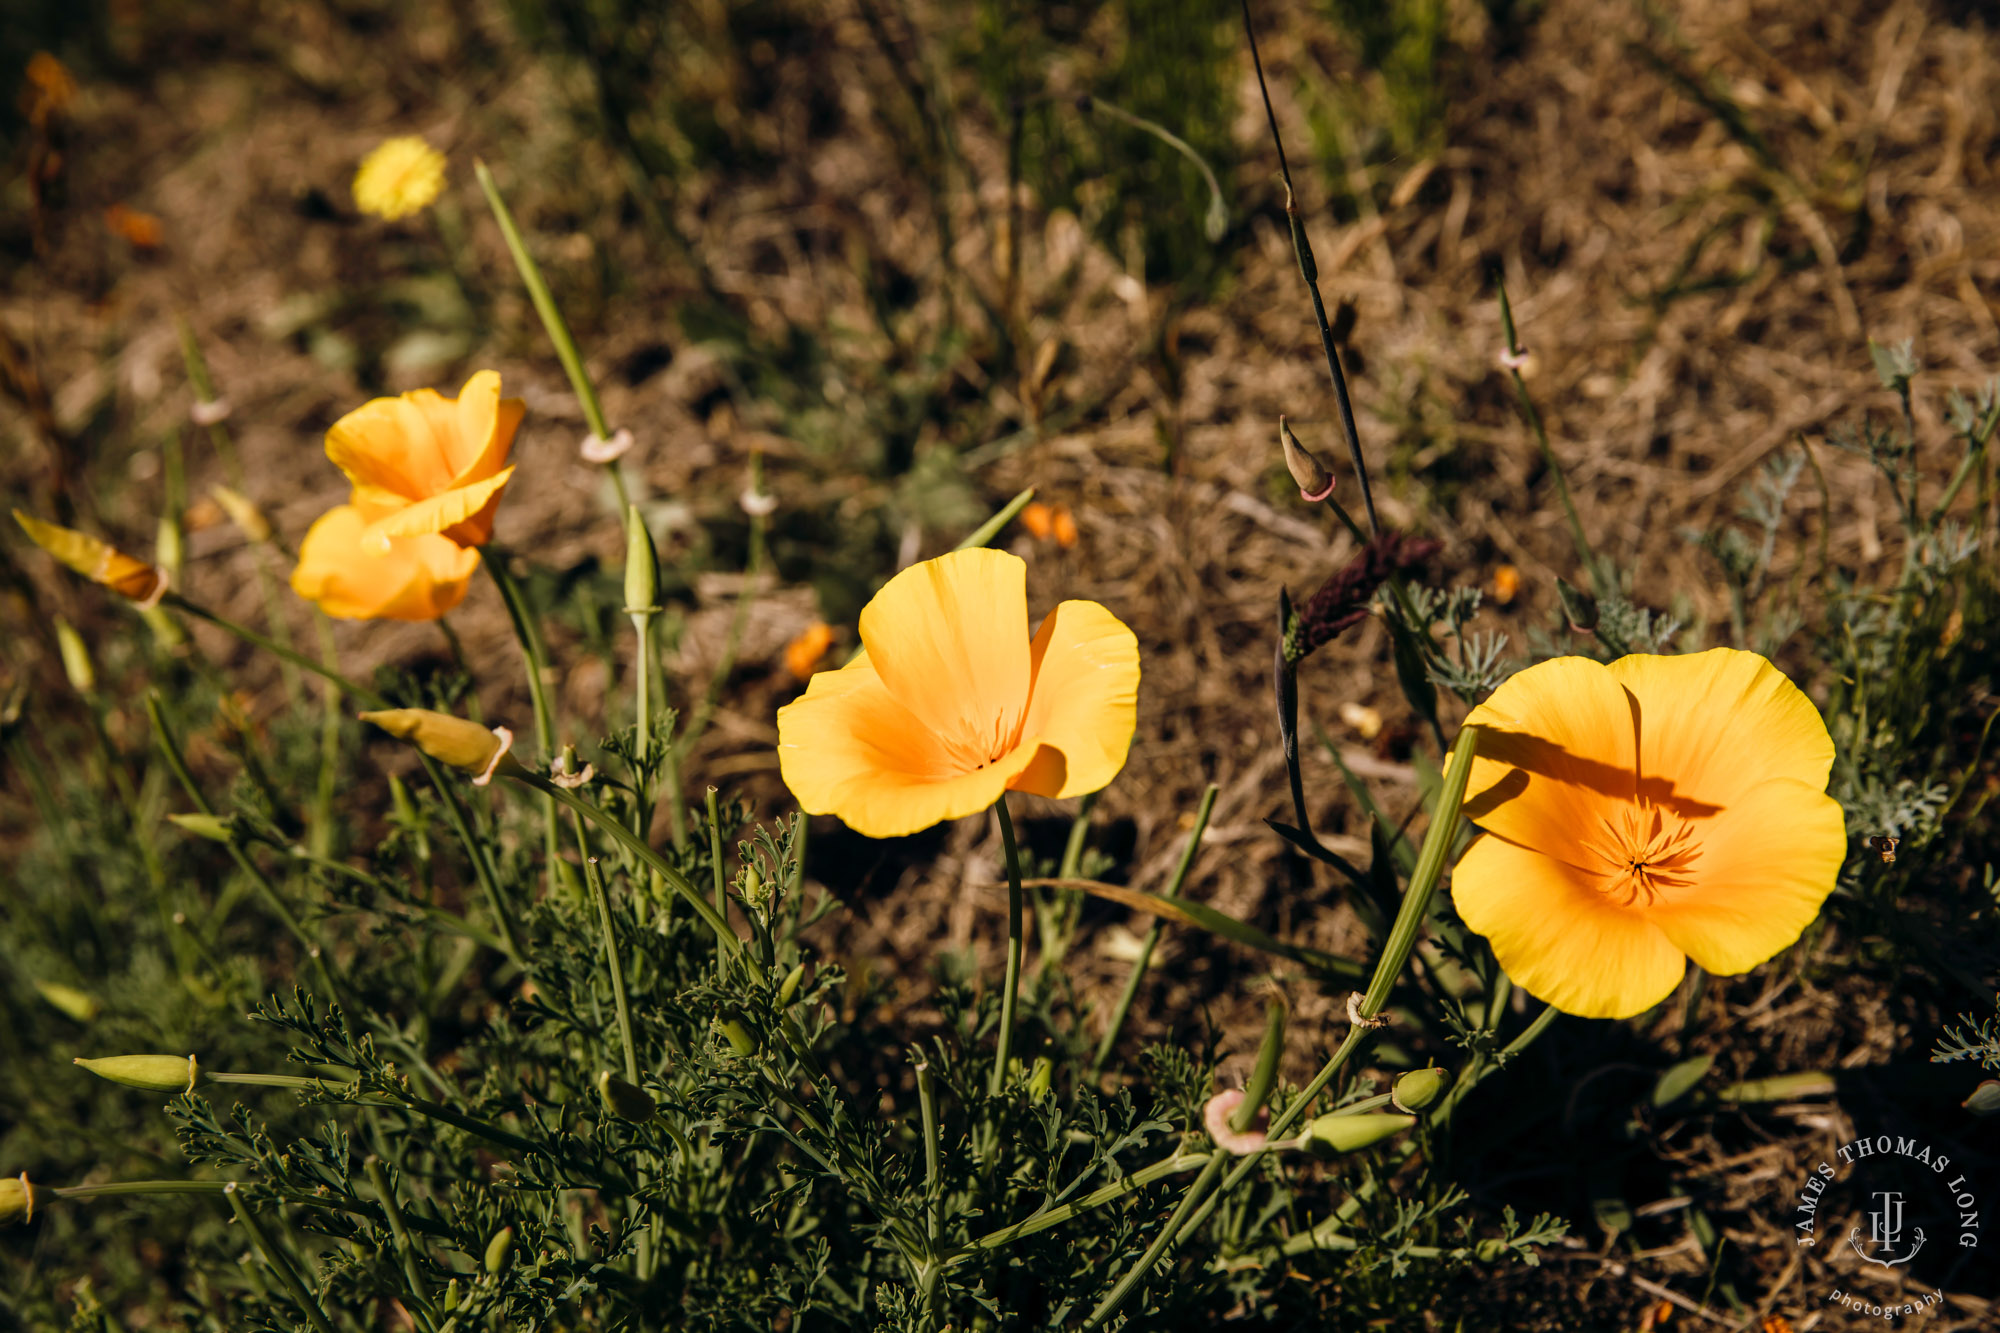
(169, 548)
(1419, 1088)
(1040, 1078)
(642, 566)
(1332, 1135)
(500, 1251)
(790, 986)
(75, 658)
(1488, 1251)
(447, 739)
(153, 1073)
(1579, 608)
(451, 1296)
(736, 1035)
(1315, 482)
(17, 1200)
(213, 827)
(243, 513)
(1985, 1099)
(625, 1100)
(97, 561)
(77, 1004)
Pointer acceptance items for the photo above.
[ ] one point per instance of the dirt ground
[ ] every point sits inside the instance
(1696, 299)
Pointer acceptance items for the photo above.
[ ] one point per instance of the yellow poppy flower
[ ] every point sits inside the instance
(424, 463)
(418, 578)
(98, 561)
(950, 703)
(1641, 814)
(400, 176)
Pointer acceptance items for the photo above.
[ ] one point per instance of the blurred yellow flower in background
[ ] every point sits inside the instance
(416, 578)
(1641, 814)
(423, 463)
(951, 703)
(803, 654)
(96, 560)
(399, 177)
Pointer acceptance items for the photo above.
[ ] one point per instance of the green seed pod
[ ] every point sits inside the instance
(1419, 1088)
(1332, 1135)
(17, 1200)
(213, 827)
(790, 987)
(1038, 1081)
(154, 1073)
(451, 1296)
(642, 566)
(1985, 1099)
(500, 1251)
(736, 1035)
(75, 658)
(625, 1100)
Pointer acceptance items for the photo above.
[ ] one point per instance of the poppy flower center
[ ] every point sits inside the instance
(1644, 851)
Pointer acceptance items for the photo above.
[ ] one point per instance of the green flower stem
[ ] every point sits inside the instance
(1438, 839)
(321, 834)
(552, 321)
(927, 1104)
(119, 1188)
(455, 811)
(277, 1262)
(614, 965)
(400, 1236)
(530, 636)
(1145, 958)
(1117, 1189)
(1004, 1051)
(715, 861)
(636, 845)
(990, 529)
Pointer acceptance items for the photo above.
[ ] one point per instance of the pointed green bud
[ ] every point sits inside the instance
(1265, 1072)
(1985, 1099)
(625, 1100)
(154, 1073)
(75, 658)
(1579, 608)
(77, 1004)
(1419, 1088)
(1490, 1251)
(1315, 482)
(170, 549)
(1332, 1135)
(17, 1200)
(642, 566)
(451, 1296)
(213, 827)
(790, 986)
(500, 1251)
(736, 1035)
(1040, 1078)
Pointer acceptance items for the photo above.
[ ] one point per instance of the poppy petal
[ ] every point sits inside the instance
(1767, 863)
(850, 748)
(1745, 696)
(1083, 700)
(463, 514)
(1556, 750)
(484, 426)
(402, 446)
(418, 578)
(950, 639)
(1559, 937)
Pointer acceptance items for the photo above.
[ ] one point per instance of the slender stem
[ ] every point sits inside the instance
(715, 856)
(296, 658)
(638, 847)
(927, 1103)
(1005, 1049)
(1145, 958)
(614, 965)
(990, 529)
(1117, 1189)
(277, 1262)
(400, 1235)
(1534, 419)
(1438, 839)
(530, 636)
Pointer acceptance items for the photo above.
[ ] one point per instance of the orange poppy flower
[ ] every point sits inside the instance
(98, 561)
(417, 578)
(1641, 814)
(1047, 522)
(424, 463)
(803, 654)
(950, 702)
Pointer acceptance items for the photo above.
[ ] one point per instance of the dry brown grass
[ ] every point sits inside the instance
(1575, 167)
